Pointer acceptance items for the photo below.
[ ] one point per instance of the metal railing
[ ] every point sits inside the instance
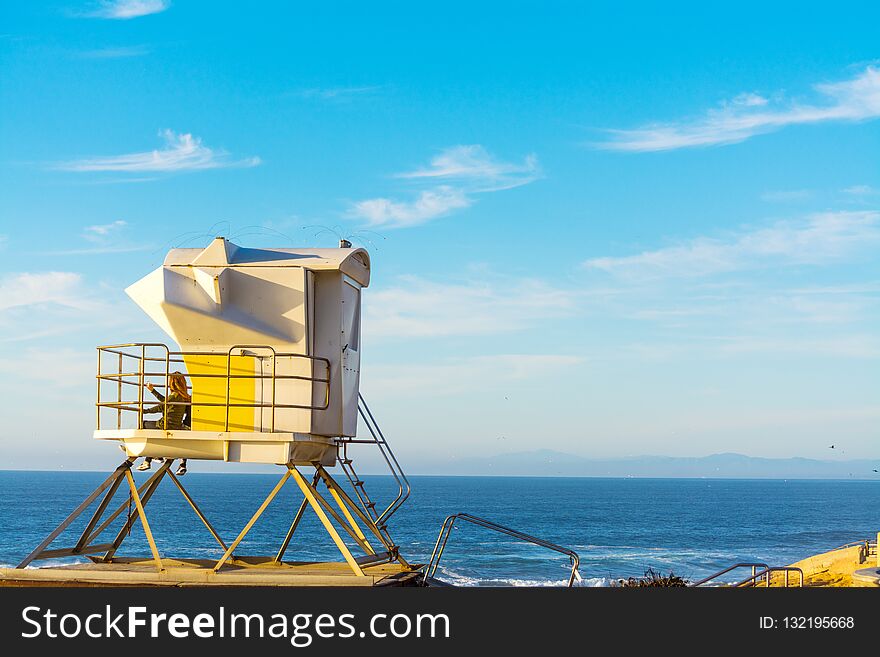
(446, 529)
(746, 564)
(377, 438)
(753, 580)
(764, 573)
(140, 355)
(869, 545)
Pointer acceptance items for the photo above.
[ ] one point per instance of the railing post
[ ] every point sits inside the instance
(167, 389)
(141, 387)
(98, 403)
(228, 372)
(274, 365)
(119, 392)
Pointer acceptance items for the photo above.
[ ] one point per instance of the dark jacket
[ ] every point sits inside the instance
(177, 415)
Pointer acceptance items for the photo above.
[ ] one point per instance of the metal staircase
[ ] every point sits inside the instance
(377, 438)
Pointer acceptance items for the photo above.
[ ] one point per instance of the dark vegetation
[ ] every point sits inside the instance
(652, 578)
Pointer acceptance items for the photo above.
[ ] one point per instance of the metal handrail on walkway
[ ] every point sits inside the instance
(866, 543)
(773, 569)
(746, 564)
(138, 352)
(446, 529)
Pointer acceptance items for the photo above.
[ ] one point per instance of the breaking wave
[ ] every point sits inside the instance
(458, 579)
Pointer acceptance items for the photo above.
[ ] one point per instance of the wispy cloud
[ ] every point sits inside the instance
(182, 152)
(51, 366)
(846, 346)
(787, 195)
(861, 190)
(101, 231)
(60, 288)
(337, 93)
(99, 250)
(45, 304)
(429, 204)
(128, 9)
(784, 289)
(857, 99)
(105, 239)
(818, 239)
(456, 175)
(120, 52)
(416, 307)
(464, 375)
(476, 170)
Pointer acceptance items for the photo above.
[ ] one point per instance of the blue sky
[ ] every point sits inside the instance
(600, 228)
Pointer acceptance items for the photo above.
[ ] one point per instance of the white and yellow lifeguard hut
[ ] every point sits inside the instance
(269, 342)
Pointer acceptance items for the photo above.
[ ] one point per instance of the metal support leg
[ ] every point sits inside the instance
(196, 508)
(141, 489)
(82, 542)
(144, 498)
(362, 544)
(309, 493)
(351, 521)
(296, 519)
(251, 522)
(144, 522)
(353, 507)
(119, 472)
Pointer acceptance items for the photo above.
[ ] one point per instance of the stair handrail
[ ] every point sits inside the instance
(446, 529)
(754, 565)
(774, 569)
(378, 438)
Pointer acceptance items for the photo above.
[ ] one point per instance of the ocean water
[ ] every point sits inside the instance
(619, 527)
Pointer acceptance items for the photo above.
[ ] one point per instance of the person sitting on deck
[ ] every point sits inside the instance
(175, 414)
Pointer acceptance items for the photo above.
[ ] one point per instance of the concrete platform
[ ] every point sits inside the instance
(867, 576)
(246, 571)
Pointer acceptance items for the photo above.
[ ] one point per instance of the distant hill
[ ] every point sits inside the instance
(549, 463)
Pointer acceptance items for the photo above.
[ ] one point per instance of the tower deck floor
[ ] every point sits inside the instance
(243, 571)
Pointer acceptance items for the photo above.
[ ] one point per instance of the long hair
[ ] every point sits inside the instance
(177, 383)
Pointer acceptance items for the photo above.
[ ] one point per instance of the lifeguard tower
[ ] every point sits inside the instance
(269, 343)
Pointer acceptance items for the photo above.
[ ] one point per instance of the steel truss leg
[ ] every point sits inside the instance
(122, 507)
(350, 520)
(144, 522)
(81, 543)
(293, 525)
(337, 491)
(151, 485)
(355, 533)
(111, 481)
(196, 508)
(310, 495)
(251, 522)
